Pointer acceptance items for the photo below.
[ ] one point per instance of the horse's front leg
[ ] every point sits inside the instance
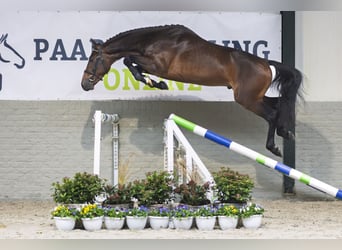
(138, 75)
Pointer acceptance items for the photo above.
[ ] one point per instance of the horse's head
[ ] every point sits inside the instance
(10, 53)
(98, 65)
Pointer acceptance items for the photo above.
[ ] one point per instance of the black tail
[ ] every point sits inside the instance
(289, 81)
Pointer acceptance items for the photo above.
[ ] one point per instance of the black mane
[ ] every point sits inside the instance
(144, 29)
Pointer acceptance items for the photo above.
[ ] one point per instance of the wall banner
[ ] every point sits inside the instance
(43, 54)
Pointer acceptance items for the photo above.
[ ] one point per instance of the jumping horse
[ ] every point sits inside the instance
(177, 53)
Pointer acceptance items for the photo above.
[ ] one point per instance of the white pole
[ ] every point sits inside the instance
(97, 141)
(115, 138)
(169, 146)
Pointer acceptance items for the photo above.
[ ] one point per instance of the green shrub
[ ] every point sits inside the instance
(154, 189)
(232, 187)
(82, 188)
(158, 188)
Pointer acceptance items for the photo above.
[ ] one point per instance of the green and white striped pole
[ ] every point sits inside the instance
(249, 153)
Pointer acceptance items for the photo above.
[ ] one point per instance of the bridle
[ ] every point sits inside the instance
(98, 60)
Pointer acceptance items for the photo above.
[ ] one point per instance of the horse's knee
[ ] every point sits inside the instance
(127, 61)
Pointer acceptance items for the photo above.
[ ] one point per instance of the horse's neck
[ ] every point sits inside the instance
(120, 41)
(119, 46)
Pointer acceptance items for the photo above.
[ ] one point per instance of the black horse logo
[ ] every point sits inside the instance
(9, 55)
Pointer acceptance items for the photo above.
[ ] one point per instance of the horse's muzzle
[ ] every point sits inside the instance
(87, 85)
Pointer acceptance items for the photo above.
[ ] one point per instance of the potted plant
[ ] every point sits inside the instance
(119, 195)
(92, 217)
(158, 188)
(114, 218)
(183, 217)
(205, 218)
(137, 190)
(82, 188)
(228, 216)
(193, 194)
(159, 217)
(64, 217)
(232, 187)
(251, 215)
(136, 218)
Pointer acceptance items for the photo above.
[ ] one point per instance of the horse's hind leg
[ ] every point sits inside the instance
(287, 114)
(137, 72)
(264, 108)
(285, 118)
(271, 107)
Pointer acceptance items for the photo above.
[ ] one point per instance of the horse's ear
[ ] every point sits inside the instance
(96, 42)
(3, 37)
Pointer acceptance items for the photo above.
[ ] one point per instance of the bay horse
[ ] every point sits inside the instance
(177, 53)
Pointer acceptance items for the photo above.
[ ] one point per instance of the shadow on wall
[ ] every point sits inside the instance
(141, 129)
(145, 120)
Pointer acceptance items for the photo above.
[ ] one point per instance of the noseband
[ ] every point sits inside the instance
(98, 60)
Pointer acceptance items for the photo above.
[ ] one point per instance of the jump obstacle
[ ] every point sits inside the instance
(261, 159)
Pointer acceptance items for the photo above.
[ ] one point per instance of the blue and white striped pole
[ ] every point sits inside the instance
(268, 162)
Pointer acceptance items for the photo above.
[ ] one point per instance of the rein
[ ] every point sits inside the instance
(98, 59)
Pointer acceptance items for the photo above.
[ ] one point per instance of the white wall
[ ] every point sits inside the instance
(178, 5)
(319, 53)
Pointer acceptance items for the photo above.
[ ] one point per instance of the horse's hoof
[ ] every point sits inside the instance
(162, 85)
(276, 151)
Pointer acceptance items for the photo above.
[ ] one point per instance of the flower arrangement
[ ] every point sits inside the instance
(91, 211)
(228, 210)
(160, 212)
(206, 212)
(250, 210)
(140, 211)
(115, 212)
(182, 211)
(64, 211)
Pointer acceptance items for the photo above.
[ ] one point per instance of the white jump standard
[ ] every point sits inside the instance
(268, 162)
